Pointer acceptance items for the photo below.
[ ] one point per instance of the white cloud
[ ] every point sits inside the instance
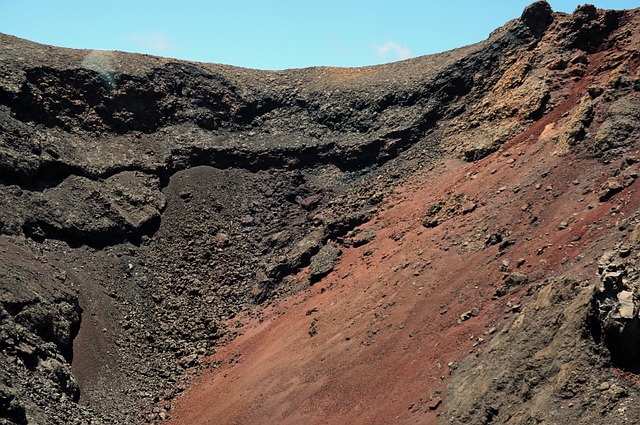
(392, 50)
(152, 42)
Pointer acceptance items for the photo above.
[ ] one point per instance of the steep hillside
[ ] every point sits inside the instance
(449, 238)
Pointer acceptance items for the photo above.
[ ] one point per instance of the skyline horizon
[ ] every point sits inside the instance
(358, 37)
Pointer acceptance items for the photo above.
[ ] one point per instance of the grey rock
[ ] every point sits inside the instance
(323, 262)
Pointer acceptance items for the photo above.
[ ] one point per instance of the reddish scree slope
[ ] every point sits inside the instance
(387, 321)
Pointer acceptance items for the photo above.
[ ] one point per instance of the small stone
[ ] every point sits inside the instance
(310, 202)
(557, 65)
(247, 220)
(221, 240)
(435, 403)
(188, 360)
(468, 207)
(608, 189)
(617, 391)
(467, 315)
(624, 251)
(505, 265)
(595, 91)
(579, 57)
(625, 298)
(361, 238)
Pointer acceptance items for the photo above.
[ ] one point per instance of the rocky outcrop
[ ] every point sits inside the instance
(84, 211)
(537, 17)
(615, 320)
(40, 317)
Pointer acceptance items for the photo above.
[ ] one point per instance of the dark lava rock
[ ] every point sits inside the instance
(537, 17)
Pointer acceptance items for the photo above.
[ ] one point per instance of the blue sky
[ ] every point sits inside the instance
(274, 34)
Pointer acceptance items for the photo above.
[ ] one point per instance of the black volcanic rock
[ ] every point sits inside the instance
(537, 17)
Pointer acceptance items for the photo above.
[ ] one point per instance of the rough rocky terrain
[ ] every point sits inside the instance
(452, 238)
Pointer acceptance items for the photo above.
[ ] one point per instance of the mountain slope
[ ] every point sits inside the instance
(338, 240)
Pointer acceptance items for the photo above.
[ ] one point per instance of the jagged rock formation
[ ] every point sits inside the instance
(149, 205)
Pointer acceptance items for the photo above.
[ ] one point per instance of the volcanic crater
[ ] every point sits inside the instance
(449, 239)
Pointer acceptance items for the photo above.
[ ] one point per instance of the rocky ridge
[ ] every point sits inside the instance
(149, 205)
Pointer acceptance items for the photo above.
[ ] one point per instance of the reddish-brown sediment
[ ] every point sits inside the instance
(388, 318)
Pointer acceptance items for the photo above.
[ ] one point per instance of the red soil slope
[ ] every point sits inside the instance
(377, 339)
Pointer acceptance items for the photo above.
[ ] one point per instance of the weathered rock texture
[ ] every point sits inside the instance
(151, 207)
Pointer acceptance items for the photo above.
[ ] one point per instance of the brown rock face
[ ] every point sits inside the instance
(417, 242)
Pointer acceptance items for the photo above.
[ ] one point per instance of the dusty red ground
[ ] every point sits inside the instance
(388, 318)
